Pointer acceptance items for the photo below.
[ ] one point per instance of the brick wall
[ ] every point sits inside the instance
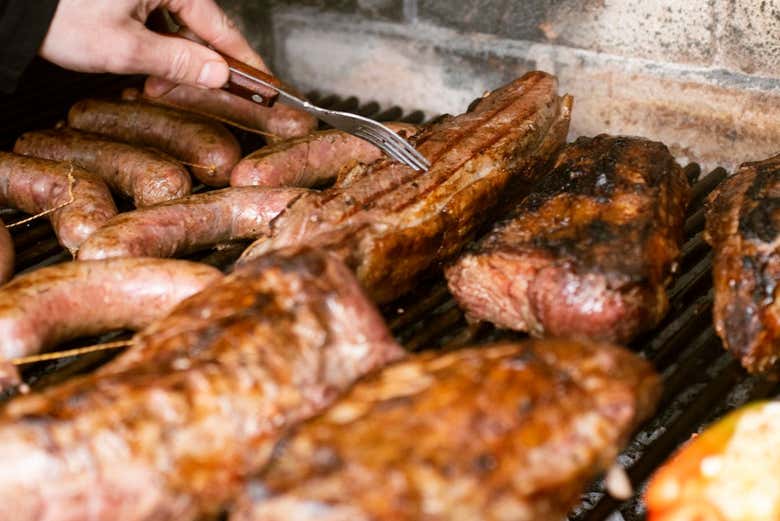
(701, 75)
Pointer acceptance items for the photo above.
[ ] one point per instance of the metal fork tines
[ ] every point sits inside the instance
(375, 133)
(255, 85)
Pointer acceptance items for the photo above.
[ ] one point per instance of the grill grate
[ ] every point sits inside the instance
(702, 382)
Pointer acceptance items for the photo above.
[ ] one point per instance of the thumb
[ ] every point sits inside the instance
(178, 60)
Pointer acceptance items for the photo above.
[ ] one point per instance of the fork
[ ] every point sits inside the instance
(262, 88)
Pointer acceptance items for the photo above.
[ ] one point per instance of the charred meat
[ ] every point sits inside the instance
(589, 252)
(743, 227)
(171, 428)
(391, 224)
(501, 432)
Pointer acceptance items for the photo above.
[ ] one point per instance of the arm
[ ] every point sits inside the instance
(100, 36)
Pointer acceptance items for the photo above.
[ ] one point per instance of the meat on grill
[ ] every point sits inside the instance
(7, 256)
(171, 428)
(276, 123)
(500, 432)
(308, 161)
(589, 253)
(207, 147)
(78, 201)
(190, 224)
(144, 174)
(743, 227)
(391, 224)
(50, 305)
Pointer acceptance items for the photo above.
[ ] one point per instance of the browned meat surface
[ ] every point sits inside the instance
(50, 305)
(145, 174)
(743, 227)
(80, 200)
(276, 123)
(590, 251)
(502, 432)
(391, 223)
(190, 224)
(207, 147)
(308, 161)
(171, 428)
(7, 255)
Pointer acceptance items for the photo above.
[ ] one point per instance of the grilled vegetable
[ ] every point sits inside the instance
(731, 472)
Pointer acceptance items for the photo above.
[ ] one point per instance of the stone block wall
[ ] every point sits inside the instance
(701, 75)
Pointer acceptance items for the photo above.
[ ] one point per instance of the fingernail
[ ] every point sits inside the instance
(212, 75)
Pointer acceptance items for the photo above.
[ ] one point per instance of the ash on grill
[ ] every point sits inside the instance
(701, 381)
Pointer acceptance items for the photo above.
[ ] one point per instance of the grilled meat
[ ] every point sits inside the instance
(743, 227)
(189, 224)
(171, 428)
(50, 305)
(308, 161)
(503, 432)
(728, 473)
(391, 223)
(589, 252)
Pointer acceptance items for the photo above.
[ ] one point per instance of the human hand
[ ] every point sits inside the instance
(110, 36)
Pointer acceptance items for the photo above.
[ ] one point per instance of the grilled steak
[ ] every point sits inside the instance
(391, 223)
(503, 432)
(171, 428)
(743, 227)
(589, 252)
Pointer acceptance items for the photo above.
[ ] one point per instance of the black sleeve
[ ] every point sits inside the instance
(23, 25)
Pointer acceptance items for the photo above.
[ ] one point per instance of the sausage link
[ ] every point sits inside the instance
(144, 174)
(277, 123)
(189, 138)
(35, 185)
(190, 224)
(7, 257)
(309, 160)
(42, 308)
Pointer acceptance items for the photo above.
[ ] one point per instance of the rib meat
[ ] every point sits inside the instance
(589, 252)
(743, 227)
(171, 428)
(391, 223)
(502, 432)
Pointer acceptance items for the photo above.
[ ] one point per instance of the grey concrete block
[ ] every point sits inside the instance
(664, 30)
(508, 18)
(668, 30)
(375, 9)
(749, 36)
(712, 116)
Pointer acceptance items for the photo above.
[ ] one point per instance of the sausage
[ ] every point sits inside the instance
(206, 146)
(277, 123)
(35, 185)
(42, 308)
(6, 254)
(190, 224)
(144, 174)
(309, 160)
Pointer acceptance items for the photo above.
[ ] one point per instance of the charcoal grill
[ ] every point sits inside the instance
(701, 380)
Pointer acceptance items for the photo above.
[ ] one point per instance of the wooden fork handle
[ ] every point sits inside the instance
(242, 82)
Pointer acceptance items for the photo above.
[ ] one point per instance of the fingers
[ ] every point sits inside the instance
(174, 59)
(208, 21)
(155, 86)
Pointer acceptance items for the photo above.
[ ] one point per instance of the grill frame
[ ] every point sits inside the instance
(701, 381)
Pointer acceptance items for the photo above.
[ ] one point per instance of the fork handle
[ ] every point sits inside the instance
(242, 82)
